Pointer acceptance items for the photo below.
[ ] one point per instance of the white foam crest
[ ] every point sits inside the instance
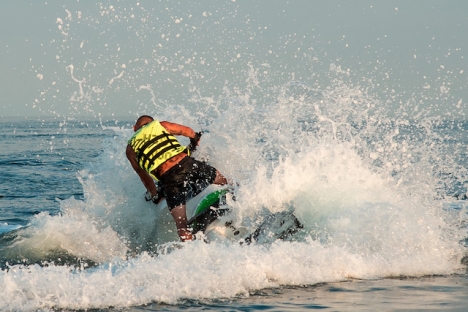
(326, 172)
(197, 271)
(343, 204)
(77, 235)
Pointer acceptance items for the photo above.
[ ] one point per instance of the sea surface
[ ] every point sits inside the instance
(74, 226)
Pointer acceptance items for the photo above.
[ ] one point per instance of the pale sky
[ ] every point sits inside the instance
(63, 57)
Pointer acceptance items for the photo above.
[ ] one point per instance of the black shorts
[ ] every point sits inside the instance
(185, 180)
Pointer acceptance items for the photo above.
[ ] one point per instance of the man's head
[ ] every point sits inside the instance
(141, 121)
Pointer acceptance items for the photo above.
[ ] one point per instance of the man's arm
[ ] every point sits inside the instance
(144, 176)
(176, 129)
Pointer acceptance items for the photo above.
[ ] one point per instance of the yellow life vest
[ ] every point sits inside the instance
(153, 145)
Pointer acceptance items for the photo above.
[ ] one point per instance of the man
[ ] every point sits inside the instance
(154, 152)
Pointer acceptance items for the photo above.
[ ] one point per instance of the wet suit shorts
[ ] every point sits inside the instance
(185, 180)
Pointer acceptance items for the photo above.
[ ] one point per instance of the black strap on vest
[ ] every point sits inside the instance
(149, 142)
(142, 157)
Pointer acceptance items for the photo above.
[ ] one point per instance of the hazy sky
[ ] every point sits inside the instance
(60, 57)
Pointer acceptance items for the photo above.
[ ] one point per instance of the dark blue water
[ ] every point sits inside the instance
(39, 161)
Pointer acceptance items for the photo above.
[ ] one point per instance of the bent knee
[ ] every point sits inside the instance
(220, 179)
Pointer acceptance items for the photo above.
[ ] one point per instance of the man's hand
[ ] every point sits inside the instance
(194, 141)
(154, 198)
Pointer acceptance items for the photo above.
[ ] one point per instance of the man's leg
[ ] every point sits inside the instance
(179, 214)
(220, 179)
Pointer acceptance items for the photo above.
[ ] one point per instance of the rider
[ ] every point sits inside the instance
(154, 152)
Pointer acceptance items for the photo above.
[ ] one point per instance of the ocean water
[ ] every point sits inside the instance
(76, 228)
(364, 140)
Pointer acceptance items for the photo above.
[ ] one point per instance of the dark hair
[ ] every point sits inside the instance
(143, 116)
(139, 123)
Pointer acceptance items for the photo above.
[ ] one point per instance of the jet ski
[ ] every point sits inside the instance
(211, 218)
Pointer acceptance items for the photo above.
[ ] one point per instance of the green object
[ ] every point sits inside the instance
(209, 200)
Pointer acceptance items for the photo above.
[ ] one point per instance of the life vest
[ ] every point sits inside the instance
(153, 145)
